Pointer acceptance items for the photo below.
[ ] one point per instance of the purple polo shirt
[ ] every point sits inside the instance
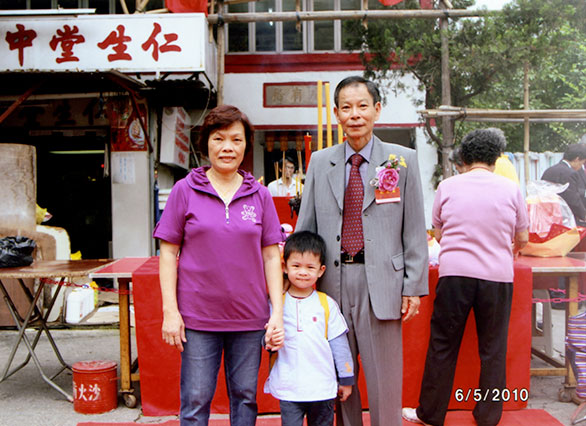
(221, 284)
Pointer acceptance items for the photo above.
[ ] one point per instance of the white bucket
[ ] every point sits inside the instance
(80, 303)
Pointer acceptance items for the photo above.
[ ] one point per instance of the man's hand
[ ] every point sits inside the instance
(344, 392)
(410, 307)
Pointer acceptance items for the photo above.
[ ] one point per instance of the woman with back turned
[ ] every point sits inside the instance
(481, 220)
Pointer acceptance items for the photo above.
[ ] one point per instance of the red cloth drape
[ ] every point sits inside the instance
(160, 364)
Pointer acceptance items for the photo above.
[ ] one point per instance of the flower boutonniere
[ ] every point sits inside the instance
(387, 179)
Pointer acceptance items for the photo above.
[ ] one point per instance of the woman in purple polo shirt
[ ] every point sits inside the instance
(481, 220)
(224, 227)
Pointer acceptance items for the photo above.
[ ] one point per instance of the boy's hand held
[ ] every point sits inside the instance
(278, 339)
(344, 392)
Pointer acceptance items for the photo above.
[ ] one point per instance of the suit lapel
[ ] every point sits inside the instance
(377, 158)
(336, 174)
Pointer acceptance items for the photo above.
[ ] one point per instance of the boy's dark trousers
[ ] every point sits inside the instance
(319, 413)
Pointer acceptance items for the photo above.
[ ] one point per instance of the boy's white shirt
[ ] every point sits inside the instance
(304, 369)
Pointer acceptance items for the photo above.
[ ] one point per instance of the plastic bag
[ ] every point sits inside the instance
(546, 207)
(16, 251)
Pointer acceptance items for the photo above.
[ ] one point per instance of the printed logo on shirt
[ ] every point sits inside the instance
(248, 213)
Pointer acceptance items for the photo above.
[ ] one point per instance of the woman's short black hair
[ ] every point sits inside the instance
(356, 80)
(222, 117)
(483, 146)
(305, 242)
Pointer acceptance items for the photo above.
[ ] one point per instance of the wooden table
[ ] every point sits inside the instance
(121, 270)
(570, 267)
(57, 269)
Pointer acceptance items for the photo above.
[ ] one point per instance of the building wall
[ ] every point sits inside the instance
(538, 163)
(428, 160)
(245, 90)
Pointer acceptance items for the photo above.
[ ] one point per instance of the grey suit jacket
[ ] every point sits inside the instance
(395, 240)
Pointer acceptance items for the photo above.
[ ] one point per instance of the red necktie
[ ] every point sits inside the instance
(352, 237)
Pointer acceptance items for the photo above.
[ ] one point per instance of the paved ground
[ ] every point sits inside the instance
(25, 399)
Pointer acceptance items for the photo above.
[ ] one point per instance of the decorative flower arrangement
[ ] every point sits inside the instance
(387, 175)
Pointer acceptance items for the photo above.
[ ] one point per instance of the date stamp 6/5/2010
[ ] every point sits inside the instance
(491, 395)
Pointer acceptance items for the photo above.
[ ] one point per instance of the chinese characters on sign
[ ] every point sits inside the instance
(117, 39)
(19, 40)
(144, 43)
(167, 47)
(68, 38)
(294, 94)
(175, 137)
(90, 392)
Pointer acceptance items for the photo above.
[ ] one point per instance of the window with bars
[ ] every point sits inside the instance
(312, 36)
(103, 7)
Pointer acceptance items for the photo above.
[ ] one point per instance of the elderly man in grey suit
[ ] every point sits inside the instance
(376, 253)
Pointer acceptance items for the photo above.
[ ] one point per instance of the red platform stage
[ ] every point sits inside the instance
(159, 363)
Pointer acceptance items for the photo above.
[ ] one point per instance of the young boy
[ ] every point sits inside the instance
(303, 376)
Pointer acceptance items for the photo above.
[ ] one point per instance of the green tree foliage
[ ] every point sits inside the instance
(487, 57)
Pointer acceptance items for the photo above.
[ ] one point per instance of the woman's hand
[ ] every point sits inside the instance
(521, 239)
(275, 332)
(274, 276)
(173, 330)
(410, 307)
(276, 341)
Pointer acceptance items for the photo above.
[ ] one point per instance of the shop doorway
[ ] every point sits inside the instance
(73, 184)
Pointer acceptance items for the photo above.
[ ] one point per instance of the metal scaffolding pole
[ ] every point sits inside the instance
(329, 15)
